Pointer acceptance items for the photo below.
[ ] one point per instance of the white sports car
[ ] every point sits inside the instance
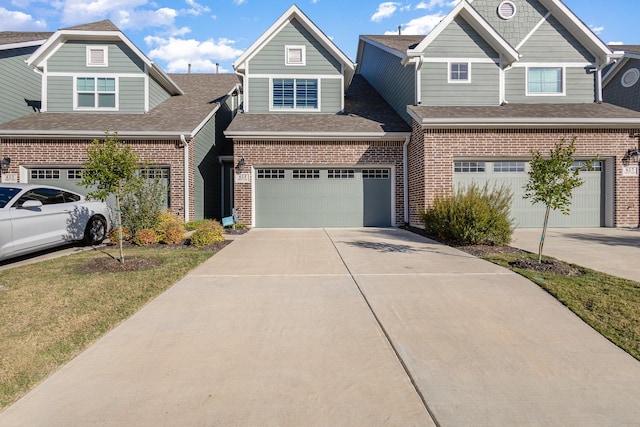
(35, 217)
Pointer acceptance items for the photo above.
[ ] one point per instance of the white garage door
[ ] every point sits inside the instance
(587, 207)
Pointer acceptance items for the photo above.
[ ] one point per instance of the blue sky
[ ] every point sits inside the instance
(175, 33)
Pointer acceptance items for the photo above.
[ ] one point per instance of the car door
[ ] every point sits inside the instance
(41, 226)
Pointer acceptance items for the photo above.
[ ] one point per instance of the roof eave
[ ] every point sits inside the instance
(21, 45)
(325, 136)
(85, 134)
(530, 123)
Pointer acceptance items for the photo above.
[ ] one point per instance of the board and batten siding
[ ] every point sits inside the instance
(157, 94)
(579, 86)
(528, 14)
(18, 84)
(484, 88)
(393, 81)
(616, 93)
(72, 57)
(552, 42)
(459, 39)
(271, 58)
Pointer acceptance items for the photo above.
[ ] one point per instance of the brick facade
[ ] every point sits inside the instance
(316, 153)
(71, 152)
(437, 149)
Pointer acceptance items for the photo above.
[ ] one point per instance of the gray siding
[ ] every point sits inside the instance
(258, 95)
(71, 57)
(330, 96)
(331, 93)
(579, 88)
(552, 42)
(484, 88)
(20, 87)
(271, 58)
(628, 97)
(394, 82)
(461, 40)
(59, 94)
(157, 94)
(131, 95)
(514, 30)
(206, 179)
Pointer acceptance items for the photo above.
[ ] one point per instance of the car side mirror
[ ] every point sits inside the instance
(30, 204)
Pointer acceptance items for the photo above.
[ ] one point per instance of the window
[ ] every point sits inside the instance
(459, 72)
(306, 174)
(295, 94)
(340, 173)
(504, 167)
(545, 81)
(74, 174)
(47, 196)
(295, 55)
(154, 173)
(97, 56)
(375, 173)
(45, 174)
(270, 173)
(96, 93)
(468, 167)
(582, 165)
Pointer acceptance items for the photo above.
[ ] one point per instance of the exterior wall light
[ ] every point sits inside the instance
(632, 156)
(4, 164)
(240, 165)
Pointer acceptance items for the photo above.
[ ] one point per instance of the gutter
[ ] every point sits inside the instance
(186, 177)
(533, 123)
(84, 134)
(405, 164)
(339, 136)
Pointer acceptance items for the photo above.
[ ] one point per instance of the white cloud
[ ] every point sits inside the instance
(431, 4)
(420, 26)
(615, 43)
(385, 10)
(177, 53)
(151, 18)
(239, 2)
(196, 9)
(597, 30)
(20, 21)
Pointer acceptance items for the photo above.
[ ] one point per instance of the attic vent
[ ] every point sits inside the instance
(97, 56)
(630, 77)
(507, 10)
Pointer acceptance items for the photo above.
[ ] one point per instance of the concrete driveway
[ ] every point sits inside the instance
(343, 327)
(611, 250)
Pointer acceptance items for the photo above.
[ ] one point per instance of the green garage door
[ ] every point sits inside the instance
(587, 207)
(318, 197)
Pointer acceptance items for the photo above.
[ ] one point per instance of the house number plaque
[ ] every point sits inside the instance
(243, 178)
(630, 170)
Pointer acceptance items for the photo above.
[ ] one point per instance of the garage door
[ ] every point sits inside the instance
(587, 207)
(322, 197)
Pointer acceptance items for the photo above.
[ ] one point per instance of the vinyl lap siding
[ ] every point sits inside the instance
(258, 95)
(131, 95)
(579, 88)
(25, 85)
(157, 94)
(331, 95)
(552, 42)
(71, 57)
(59, 94)
(394, 82)
(483, 89)
(459, 39)
(206, 172)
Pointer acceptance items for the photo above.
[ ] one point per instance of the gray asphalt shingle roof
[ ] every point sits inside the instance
(365, 112)
(397, 42)
(11, 37)
(179, 114)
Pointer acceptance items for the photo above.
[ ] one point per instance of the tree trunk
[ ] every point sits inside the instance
(119, 225)
(544, 233)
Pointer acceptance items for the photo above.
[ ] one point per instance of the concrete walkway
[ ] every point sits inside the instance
(614, 251)
(343, 327)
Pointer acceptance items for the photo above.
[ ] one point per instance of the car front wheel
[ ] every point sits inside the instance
(96, 231)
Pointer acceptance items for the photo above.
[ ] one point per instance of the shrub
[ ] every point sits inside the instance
(473, 215)
(170, 228)
(142, 206)
(194, 225)
(114, 236)
(208, 232)
(145, 237)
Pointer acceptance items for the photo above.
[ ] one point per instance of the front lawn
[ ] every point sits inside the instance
(51, 311)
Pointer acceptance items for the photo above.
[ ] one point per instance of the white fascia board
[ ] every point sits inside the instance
(467, 12)
(578, 29)
(85, 134)
(383, 47)
(204, 122)
(529, 123)
(619, 65)
(22, 44)
(326, 136)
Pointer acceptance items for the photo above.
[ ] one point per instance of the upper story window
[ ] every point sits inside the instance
(295, 55)
(459, 72)
(294, 94)
(545, 81)
(96, 93)
(97, 56)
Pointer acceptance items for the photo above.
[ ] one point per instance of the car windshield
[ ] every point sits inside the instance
(6, 194)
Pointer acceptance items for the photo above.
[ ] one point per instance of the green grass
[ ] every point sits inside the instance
(50, 311)
(610, 305)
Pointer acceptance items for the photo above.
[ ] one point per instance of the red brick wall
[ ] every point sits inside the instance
(441, 147)
(32, 152)
(319, 153)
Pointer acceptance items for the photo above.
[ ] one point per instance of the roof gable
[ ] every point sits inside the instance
(102, 31)
(464, 10)
(294, 13)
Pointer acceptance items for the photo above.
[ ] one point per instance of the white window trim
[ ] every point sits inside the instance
(105, 49)
(298, 77)
(75, 93)
(450, 80)
(303, 48)
(564, 80)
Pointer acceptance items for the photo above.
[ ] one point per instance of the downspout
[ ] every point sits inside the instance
(599, 68)
(405, 164)
(186, 177)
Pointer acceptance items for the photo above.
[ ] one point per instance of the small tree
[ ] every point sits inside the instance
(552, 180)
(110, 169)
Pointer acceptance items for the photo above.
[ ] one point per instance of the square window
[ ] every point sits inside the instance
(295, 55)
(294, 94)
(96, 93)
(545, 81)
(459, 72)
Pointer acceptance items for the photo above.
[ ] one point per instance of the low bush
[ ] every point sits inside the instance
(114, 236)
(473, 215)
(170, 228)
(145, 237)
(143, 205)
(207, 233)
(195, 224)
